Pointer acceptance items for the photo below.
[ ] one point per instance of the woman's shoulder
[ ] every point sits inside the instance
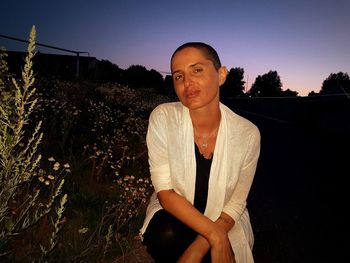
(238, 121)
(168, 109)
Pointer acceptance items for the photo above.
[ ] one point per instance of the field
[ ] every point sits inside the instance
(96, 135)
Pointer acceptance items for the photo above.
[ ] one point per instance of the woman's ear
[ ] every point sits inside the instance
(222, 75)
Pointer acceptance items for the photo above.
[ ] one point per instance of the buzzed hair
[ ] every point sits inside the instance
(208, 51)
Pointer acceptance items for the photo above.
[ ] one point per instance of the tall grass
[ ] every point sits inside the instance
(27, 198)
(100, 131)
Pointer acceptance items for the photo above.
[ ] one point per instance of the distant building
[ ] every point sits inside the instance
(53, 65)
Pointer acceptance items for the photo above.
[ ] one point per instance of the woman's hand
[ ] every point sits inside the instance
(221, 250)
(196, 251)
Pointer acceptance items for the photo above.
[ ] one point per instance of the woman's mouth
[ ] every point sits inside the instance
(192, 94)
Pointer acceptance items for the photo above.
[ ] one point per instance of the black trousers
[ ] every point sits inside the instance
(166, 238)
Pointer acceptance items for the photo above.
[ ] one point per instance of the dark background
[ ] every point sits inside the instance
(298, 202)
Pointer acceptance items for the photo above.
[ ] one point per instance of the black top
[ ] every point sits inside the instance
(202, 180)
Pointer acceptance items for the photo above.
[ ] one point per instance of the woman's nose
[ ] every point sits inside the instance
(187, 81)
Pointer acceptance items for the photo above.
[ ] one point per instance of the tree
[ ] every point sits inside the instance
(155, 80)
(289, 93)
(106, 71)
(312, 93)
(138, 76)
(336, 83)
(267, 85)
(234, 84)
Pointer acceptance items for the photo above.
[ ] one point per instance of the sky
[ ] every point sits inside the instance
(303, 40)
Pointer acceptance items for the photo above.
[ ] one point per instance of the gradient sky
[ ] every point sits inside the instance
(303, 40)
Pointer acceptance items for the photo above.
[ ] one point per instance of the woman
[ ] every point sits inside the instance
(202, 160)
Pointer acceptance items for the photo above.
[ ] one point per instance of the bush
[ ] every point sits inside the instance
(27, 194)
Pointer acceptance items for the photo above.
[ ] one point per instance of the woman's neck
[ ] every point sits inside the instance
(205, 122)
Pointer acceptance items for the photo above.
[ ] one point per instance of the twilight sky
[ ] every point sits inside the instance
(303, 40)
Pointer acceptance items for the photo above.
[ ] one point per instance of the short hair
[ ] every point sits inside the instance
(207, 50)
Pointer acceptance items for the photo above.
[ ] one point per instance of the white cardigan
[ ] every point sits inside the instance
(171, 151)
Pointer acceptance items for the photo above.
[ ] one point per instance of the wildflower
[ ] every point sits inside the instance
(41, 179)
(51, 177)
(83, 230)
(47, 182)
(51, 159)
(56, 166)
(66, 165)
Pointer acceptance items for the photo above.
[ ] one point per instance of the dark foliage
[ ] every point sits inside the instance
(267, 85)
(138, 76)
(336, 83)
(105, 71)
(234, 84)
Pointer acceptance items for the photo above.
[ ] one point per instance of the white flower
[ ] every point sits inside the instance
(56, 166)
(51, 177)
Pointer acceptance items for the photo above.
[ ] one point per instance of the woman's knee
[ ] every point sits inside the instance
(166, 236)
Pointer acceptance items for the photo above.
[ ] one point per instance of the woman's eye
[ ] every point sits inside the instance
(198, 70)
(177, 77)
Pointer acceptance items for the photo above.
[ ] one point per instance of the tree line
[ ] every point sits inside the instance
(137, 76)
(266, 85)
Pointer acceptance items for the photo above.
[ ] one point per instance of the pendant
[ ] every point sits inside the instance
(205, 142)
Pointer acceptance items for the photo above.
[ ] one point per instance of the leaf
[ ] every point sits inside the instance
(9, 224)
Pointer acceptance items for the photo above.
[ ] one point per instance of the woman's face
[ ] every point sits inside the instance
(195, 78)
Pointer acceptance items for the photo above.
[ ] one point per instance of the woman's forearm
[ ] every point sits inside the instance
(183, 210)
(200, 246)
(213, 232)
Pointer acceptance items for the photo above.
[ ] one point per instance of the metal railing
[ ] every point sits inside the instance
(77, 53)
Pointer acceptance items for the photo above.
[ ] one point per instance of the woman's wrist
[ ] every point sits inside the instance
(202, 244)
(198, 249)
(217, 236)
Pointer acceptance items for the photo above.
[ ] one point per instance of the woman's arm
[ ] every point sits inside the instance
(211, 234)
(237, 202)
(200, 246)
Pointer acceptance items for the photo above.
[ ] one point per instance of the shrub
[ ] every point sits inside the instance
(28, 195)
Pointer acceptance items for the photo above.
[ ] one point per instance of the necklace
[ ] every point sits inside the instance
(205, 138)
